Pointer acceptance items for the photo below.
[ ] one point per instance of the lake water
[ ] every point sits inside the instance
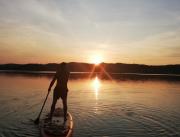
(100, 108)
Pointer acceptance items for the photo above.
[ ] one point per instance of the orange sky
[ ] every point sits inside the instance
(142, 32)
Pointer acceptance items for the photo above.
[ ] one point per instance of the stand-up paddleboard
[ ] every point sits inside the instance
(56, 128)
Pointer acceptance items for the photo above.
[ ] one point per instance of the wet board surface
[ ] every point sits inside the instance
(57, 128)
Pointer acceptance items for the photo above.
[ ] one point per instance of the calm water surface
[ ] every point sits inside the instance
(100, 108)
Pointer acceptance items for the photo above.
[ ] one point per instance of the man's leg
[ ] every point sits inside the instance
(53, 107)
(64, 100)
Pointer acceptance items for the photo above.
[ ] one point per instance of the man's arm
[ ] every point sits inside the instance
(52, 83)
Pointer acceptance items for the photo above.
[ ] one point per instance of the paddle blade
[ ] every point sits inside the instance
(36, 121)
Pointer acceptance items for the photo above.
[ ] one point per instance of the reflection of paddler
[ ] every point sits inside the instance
(61, 89)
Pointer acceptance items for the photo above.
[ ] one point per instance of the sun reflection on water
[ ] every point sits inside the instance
(96, 85)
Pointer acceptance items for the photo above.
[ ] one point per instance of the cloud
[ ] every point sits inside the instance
(121, 30)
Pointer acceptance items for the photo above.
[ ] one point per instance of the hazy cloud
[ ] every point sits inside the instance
(121, 30)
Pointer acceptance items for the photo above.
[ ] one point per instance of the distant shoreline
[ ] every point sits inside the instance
(80, 75)
(102, 68)
(53, 72)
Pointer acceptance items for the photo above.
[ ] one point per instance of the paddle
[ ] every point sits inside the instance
(37, 119)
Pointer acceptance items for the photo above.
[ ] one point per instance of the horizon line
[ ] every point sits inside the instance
(88, 63)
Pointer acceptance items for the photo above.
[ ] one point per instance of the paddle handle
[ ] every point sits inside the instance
(43, 105)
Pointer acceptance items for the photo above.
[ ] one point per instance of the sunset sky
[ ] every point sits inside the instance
(126, 31)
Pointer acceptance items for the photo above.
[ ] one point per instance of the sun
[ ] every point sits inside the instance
(97, 59)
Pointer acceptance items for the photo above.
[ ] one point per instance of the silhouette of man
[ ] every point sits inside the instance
(61, 89)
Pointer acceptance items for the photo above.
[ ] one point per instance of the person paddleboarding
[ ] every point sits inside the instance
(61, 88)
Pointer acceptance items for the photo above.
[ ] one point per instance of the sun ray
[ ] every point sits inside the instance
(106, 73)
(92, 72)
(97, 60)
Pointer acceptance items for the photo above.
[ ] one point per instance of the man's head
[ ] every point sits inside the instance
(62, 66)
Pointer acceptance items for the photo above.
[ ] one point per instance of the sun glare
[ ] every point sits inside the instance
(96, 59)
